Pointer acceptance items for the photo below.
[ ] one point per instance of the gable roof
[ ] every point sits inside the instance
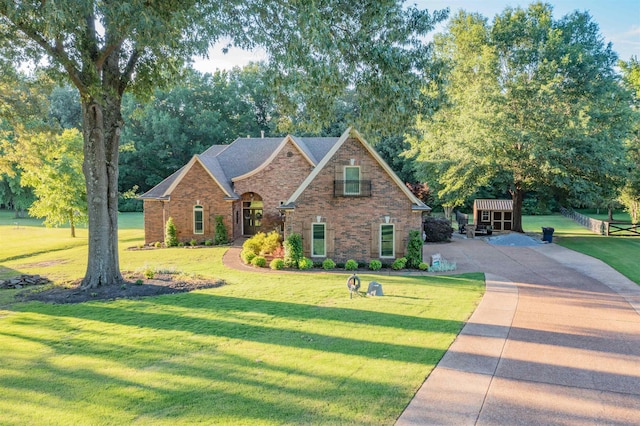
(417, 204)
(240, 159)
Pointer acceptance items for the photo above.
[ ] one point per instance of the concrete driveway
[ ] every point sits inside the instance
(555, 340)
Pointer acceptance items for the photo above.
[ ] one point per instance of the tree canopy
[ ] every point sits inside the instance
(529, 103)
(107, 48)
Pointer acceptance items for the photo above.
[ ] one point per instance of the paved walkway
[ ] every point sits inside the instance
(555, 340)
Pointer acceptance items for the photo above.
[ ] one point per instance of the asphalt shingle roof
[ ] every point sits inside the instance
(226, 162)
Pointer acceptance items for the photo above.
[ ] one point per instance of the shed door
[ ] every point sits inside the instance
(497, 221)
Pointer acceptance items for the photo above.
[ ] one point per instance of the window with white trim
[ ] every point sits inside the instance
(318, 240)
(198, 220)
(387, 240)
(485, 217)
(351, 180)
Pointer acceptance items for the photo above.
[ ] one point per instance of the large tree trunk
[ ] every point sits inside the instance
(101, 128)
(72, 224)
(517, 195)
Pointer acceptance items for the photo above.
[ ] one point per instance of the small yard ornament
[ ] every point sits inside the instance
(375, 289)
(353, 284)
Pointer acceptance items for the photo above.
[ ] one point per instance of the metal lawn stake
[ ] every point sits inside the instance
(353, 284)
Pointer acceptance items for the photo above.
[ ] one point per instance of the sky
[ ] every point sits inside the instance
(619, 22)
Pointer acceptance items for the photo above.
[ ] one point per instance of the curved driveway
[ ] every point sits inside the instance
(555, 340)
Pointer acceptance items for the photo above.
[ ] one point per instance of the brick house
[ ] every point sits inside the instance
(338, 193)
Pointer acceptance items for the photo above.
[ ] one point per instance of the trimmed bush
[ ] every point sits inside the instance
(375, 265)
(277, 264)
(351, 265)
(254, 244)
(259, 261)
(293, 252)
(414, 249)
(170, 234)
(149, 273)
(193, 242)
(247, 256)
(423, 266)
(208, 242)
(270, 243)
(437, 229)
(305, 263)
(328, 264)
(399, 263)
(221, 236)
(157, 244)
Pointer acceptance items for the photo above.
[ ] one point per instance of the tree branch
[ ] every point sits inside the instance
(56, 51)
(108, 50)
(125, 78)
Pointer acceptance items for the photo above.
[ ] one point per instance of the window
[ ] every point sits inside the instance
(318, 240)
(352, 180)
(485, 216)
(387, 240)
(198, 220)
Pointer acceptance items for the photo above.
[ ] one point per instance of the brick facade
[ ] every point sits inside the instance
(353, 223)
(196, 188)
(275, 183)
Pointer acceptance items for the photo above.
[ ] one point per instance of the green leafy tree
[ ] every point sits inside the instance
(529, 103)
(107, 48)
(64, 107)
(630, 193)
(52, 166)
(198, 111)
(23, 112)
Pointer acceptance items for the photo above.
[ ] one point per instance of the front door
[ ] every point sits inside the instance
(251, 216)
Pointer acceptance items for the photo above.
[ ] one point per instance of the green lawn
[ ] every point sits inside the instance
(276, 348)
(621, 253)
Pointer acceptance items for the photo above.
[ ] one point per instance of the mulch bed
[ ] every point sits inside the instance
(160, 284)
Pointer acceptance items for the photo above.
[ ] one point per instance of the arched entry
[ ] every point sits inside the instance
(251, 213)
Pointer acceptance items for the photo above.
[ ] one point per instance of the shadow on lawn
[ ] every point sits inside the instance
(236, 322)
(176, 358)
(229, 388)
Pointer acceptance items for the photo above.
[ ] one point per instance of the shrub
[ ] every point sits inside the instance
(305, 263)
(278, 252)
(193, 242)
(247, 256)
(293, 250)
(437, 229)
(221, 232)
(149, 273)
(414, 249)
(208, 242)
(277, 264)
(399, 263)
(375, 265)
(157, 244)
(254, 244)
(351, 265)
(328, 264)
(139, 282)
(270, 243)
(259, 261)
(170, 234)
(423, 266)
(271, 220)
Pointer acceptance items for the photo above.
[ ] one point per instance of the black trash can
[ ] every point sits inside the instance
(547, 234)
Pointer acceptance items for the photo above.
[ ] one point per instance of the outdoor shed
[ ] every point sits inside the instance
(495, 213)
